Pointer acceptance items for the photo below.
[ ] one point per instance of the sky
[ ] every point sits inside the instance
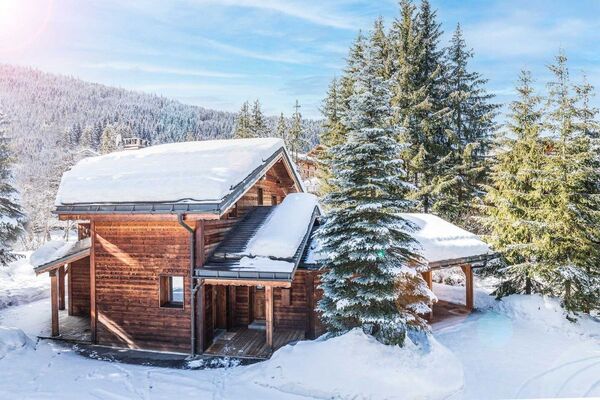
(219, 53)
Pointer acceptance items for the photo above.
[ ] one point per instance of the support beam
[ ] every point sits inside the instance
(69, 271)
(201, 312)
(428, 276)
(269, 315)
(61, 288)
(54, 301)
(93, 308)
(231, 300)
(310, 305)
(468, 271)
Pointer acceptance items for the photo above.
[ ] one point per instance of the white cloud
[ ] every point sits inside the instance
(157, 69)
(301, 10)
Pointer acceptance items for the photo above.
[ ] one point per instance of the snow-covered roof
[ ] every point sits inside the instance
(194, 172)
(284, 230)
(55, 252)
(271, 251)
(437, 241)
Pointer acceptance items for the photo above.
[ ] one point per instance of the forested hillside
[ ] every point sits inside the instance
(54, 120)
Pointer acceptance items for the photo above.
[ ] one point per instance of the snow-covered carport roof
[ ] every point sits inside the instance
(57, 253)
(177, 178)
(267, 245)
(440, 243)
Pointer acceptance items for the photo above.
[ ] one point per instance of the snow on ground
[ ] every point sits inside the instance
(18, 283)
(283, 232)
(357, 366)
(521, 347)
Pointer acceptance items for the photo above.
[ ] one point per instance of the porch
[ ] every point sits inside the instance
(73, 329)
(243, 342)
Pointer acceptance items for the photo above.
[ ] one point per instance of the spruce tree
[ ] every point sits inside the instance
(108, 140)
(419, 99)
(296, 136)
(332, 134)
(243, 123)
(516, 190)
(366, 241)
(11, 224)
(572, 208)
(282, 128)
(258, 126)
(471, 124)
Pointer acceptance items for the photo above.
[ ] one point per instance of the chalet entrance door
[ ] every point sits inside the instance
(259, 304)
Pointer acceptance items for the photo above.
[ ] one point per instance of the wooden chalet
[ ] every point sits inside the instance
(198, 247)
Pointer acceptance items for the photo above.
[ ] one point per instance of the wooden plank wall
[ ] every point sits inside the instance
(79, 290)
(130, 256)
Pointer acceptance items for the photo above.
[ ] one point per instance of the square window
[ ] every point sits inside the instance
(171, 291)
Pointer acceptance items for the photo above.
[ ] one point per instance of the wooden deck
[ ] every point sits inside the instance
(71, 329)
(447, 314)
(251, 343)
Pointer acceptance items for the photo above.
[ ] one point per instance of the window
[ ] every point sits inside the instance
(274, 200)
(171, 291)
(260, 196)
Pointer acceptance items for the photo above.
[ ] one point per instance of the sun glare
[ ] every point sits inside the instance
(22, 22)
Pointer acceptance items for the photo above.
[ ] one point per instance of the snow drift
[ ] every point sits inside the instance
(12, 339)
(356, 366)
(18, 283)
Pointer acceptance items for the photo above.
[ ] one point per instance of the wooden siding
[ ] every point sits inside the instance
(130, 257)
(79, 287)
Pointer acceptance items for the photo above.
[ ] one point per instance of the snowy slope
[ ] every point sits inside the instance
(19, 285)
(199, 171)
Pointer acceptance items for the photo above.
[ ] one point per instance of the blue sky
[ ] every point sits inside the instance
(218, 53)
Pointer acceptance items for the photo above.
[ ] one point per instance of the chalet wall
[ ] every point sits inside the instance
(79, 287)
(130, 256)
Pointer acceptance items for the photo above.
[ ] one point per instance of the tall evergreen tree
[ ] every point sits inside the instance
(419, 99)
(296, 136)
(258, 125)
(470, 129)
(11, 224)
(109, 140)
(364, 237)
(243, 123)
(282, 127)
(513, 197)
(572, 208)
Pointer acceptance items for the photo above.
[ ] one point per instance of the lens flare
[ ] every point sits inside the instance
(22, 22)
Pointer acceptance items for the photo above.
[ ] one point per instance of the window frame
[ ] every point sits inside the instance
(165, 292)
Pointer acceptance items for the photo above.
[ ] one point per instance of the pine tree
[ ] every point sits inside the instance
(513, 197)
(369, 250)
(258, 125)
(243, 129)
(109, 140)
(419, 99)
(11, 224)
(471, 123)
(332, 134)
(572, 208)
(296, 136)
(282, 128)
(87, 138)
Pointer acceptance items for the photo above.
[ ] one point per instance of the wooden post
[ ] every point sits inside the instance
(269, 315)
(93, 308)
(54, 301)
(428, 276)
(310, 304)
(231, 300)
(69, 271)
(468, 271)
(201, 312)
(61, 288)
